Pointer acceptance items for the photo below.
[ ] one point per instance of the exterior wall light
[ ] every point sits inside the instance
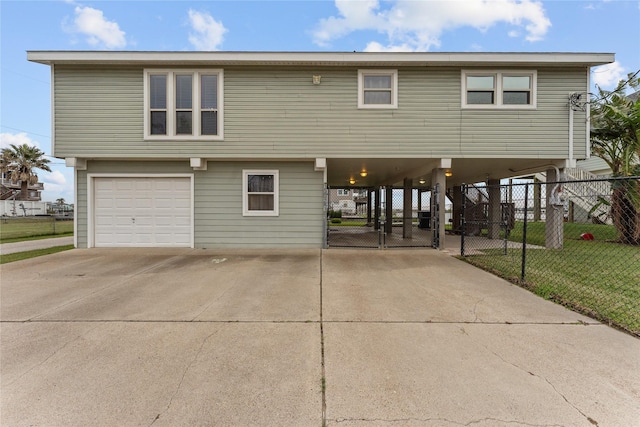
(363, 173)
(448, 173)
(422, 181)
(316, 80)
(352, 181)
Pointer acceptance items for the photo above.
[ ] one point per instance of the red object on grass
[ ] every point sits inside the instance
(586, 236)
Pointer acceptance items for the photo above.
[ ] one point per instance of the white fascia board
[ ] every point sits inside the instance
(425, 59)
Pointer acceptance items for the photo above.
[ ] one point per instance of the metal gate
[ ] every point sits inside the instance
(435, 217)
(488, 216)
(378, 218)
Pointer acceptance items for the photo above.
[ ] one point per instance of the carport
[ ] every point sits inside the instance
(395, 188)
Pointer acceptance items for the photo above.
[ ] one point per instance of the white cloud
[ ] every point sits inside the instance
(207, 32)
(99, 31)
(417, 25)
(57, 184)
(16, 139)
(607, 76)
(54, 178)
(377, 47)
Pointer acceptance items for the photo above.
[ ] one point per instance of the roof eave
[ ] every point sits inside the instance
(426, 59)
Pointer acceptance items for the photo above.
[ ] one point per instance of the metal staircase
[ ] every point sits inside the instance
(6, 193)
(476, 212)
(586, 190)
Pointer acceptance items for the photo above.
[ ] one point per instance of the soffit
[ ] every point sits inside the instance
(364, 59)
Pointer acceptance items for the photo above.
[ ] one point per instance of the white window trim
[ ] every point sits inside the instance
(276, 192)
(498, 74)
(171, 109)
(394, 88)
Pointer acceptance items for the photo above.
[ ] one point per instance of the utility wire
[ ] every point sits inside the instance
(26, 131)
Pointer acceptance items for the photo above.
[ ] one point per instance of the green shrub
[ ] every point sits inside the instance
(335, 214)
(336, 221)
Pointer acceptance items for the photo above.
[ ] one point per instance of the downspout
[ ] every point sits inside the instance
(570, 132)
(588, 119)
(555, 199)
(325, 232)
(574, 103)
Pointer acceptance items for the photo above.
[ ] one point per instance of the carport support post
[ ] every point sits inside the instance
(369, 199)
(537, 200)
(493, 189)
(438, 177)
(554, 219)
(388, 214)
(407, 209)
(457, 208)
(376, 213)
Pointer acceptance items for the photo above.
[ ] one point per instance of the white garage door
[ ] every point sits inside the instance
(142, 212)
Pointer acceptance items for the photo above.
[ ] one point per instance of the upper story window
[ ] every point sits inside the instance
(343, 192)
(260, 193)
(499, 89)
(377, 88)
(183, 104)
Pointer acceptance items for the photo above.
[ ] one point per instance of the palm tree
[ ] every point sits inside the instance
(20, 163)
(615, 137)
(60, 204)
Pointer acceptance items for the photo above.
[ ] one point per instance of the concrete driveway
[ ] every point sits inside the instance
(168, 337)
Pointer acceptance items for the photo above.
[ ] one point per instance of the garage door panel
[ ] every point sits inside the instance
(123, 185)
(142, 203)
(142, 211)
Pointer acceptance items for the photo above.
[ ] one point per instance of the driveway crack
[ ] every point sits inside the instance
(588, 418)
(475, 308)
(184, 374)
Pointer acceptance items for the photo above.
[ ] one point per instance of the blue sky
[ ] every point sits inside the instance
(351, 25)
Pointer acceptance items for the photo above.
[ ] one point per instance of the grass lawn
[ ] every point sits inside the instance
(29, 228)
(19, 256)
(600, 278)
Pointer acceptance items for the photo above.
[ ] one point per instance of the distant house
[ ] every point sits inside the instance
(343, 200)
(237, 149)
(10, 190)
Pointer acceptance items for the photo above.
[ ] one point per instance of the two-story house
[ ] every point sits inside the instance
(10, 190)
(237, 149)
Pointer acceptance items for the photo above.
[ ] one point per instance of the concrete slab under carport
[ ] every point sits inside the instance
(241, 337)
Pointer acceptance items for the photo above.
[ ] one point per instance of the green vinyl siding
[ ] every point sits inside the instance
(218, 207)
(97, 111)
(539, 133)
(276, 112)
(218, 220)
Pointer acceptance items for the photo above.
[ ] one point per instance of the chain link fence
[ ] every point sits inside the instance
(574, 242)
(383, 217)
(16, 228)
